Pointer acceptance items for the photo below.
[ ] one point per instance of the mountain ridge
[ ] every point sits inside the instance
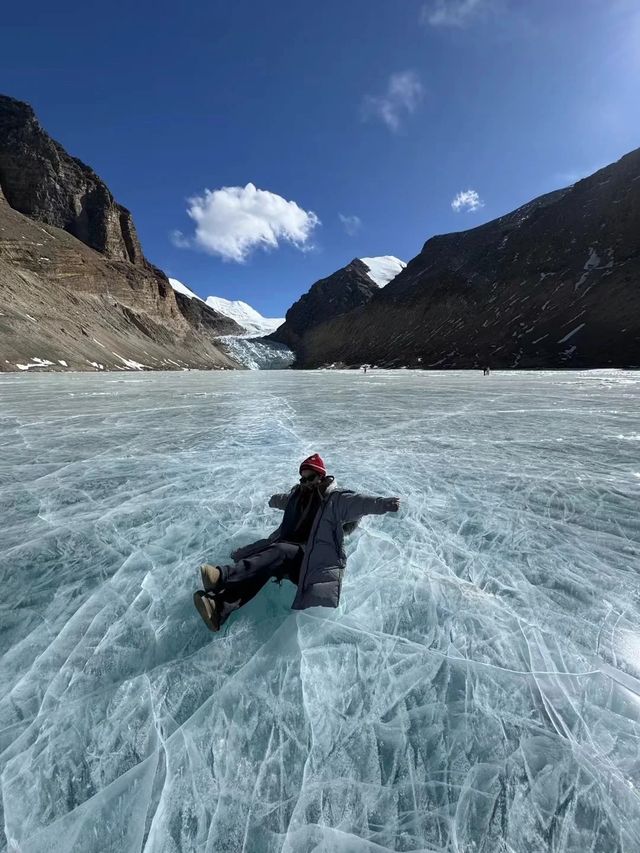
(550, 284)
(347, 288)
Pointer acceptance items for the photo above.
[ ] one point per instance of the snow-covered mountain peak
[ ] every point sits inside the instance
(245, 315)
(255, 324)
(384, 268)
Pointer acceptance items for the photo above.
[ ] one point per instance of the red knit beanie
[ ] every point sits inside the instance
(315, 463)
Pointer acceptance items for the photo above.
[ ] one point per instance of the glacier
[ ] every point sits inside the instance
(477, 690)
(250, 349)
(257, 353)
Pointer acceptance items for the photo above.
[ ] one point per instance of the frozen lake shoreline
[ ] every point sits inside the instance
(479, 684)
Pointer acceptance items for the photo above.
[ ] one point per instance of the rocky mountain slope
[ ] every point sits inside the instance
(75, 288)
(556, 283)
(348, 288)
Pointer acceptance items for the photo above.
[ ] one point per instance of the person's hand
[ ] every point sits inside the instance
(392, 504)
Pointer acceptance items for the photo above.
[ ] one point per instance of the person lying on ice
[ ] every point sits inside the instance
(307, 548)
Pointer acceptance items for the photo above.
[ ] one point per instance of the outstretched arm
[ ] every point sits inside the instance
(353, 506)
(279, 501)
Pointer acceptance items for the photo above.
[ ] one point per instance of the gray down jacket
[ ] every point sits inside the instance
(324, 560)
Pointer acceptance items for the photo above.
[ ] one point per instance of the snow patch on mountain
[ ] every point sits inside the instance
(182, 288)
(384, 268)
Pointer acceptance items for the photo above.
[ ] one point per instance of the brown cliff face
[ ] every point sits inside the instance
(72, 271)
(556, 283)
(344, 290)
(39, 179)
(63, 303)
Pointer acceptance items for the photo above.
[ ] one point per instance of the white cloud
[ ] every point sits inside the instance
(232, 221)
(351, 224)
(178, 239)
(452, 13)
(468, 200)
(401, 97)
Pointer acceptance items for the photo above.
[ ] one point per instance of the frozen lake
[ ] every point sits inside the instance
(477, 691)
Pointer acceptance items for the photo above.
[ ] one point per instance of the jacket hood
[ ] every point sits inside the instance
(331, 485)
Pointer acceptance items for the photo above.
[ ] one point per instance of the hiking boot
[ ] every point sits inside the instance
(206, 607)
(211, 577)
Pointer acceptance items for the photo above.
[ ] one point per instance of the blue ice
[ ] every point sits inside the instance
(477, 690)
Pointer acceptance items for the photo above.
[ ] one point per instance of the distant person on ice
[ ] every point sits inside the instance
(307, 548)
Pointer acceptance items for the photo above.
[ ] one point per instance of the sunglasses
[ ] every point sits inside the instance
(308, 478)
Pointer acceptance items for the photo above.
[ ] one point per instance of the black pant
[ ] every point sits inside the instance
(241, 581)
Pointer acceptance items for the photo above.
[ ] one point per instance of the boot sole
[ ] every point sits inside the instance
(209, 614)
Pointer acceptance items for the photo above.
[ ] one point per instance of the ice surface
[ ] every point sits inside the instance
(478, 690)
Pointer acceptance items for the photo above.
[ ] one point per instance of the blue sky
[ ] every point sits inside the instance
(379, 111)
